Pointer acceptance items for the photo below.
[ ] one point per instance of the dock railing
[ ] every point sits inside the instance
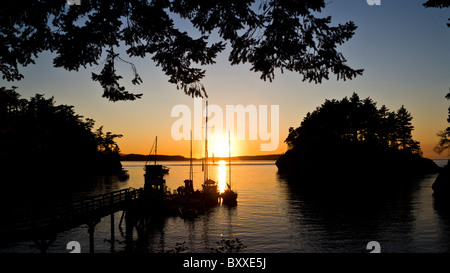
(66, 215)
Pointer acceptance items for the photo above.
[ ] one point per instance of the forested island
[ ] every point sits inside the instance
(40, 140)
(354, 140)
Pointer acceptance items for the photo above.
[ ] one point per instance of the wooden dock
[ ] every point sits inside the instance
(43, 224)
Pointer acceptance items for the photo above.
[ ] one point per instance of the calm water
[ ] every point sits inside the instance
(273, 216)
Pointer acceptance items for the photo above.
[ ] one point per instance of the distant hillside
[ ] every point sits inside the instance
(138, 157)
(257, 157)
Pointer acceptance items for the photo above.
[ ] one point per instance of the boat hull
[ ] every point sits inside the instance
(229, 197)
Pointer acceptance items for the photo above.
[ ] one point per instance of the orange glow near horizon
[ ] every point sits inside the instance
(219, 147)
(137, 144)
(140, 142)
(167, 146)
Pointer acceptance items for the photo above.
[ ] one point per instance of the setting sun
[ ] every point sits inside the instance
(219, 146)
(220, 149)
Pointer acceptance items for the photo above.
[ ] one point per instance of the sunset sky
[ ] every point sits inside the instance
(402, 47)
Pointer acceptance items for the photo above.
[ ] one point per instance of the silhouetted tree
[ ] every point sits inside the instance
(354, 120)
(353, 140)
(444, 141)
(385, 123)
(285, 35)
(403, 128)
(438, 4)
(105, 142)
(37, 134)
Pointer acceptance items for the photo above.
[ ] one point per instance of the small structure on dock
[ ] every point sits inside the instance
(154, 178)
(154, 173)
(188, 186)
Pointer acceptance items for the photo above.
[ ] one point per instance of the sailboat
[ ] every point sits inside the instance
(123, 175)
(209, 186)
(229, 197)
(189, 183)
(164, 169)
(154, 172)
(188, 208)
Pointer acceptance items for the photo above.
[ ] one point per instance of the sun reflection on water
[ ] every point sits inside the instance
(222, 176)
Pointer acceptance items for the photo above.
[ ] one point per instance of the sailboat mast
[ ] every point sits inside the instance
(156, 147)
(206, 143)
(229, 159)
(190, 163)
